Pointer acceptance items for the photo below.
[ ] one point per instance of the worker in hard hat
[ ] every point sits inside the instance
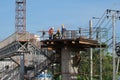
(51, 33)
(63, 31)
(58, 33)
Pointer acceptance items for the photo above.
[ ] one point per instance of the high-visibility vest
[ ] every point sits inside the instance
(51, 31)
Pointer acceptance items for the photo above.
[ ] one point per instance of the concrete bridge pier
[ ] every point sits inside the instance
(66, 64)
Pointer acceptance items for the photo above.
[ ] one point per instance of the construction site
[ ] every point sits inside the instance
(28, 56)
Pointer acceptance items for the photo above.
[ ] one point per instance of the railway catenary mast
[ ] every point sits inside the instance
(20, 17)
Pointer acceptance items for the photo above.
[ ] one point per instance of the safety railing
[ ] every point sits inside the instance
(69, 34)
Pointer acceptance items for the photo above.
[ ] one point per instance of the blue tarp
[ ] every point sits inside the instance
(44, 76)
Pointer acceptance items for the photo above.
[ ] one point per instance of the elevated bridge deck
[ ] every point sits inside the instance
(11, 45)
(15, 37)
(74, 39)
(78, 43)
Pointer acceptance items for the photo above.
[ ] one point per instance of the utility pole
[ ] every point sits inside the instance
(91, 52)
(115, 15)
(114, 62)
(100, 56)
(99, 30)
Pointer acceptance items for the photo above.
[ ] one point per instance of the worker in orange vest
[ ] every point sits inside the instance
(50, 33)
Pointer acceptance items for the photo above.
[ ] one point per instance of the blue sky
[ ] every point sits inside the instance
(42, 14)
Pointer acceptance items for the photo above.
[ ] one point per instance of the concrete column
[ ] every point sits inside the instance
(67, 68)
(66, 64)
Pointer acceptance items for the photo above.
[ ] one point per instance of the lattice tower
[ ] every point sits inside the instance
(20, 17)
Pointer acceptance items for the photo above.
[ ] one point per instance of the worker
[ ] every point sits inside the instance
(58, 34)
(51, 33)
(43, 34)
(63, 31)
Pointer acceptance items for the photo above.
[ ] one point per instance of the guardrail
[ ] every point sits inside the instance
(70, 34)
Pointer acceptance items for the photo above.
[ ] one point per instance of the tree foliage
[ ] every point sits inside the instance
(84, 65)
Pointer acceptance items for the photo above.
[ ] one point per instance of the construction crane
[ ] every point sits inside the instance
(20, 17)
